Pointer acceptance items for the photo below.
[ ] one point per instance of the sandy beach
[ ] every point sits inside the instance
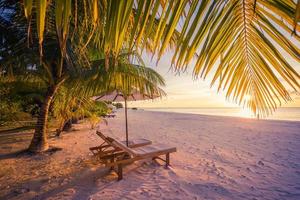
(216, 158)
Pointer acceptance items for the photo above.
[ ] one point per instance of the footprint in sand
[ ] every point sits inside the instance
(249, 169)
(67, 194)
(261, 163)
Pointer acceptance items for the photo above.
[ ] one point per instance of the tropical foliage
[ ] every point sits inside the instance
(246, 38)
(242, 39)
(59, 60)
(128, 74)
(20, 100)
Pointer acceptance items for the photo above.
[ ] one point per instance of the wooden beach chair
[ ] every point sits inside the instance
(117, 160)
(105, 149)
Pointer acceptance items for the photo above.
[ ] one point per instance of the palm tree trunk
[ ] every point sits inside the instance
(39, 141)
(60, 128)
(68, 125)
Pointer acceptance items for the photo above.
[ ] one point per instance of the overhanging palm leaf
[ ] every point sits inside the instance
(244, 37)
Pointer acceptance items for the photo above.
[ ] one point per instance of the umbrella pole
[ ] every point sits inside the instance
(126, 121)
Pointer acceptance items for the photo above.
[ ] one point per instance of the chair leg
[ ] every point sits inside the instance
(111, 161)
(120, 172)
(167, 159)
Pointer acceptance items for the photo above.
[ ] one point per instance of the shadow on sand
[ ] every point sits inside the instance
(83, 183)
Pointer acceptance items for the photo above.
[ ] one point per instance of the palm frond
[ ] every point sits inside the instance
(244, 38)
(125, 76)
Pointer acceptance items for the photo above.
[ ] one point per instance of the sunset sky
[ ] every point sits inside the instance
(183, 91)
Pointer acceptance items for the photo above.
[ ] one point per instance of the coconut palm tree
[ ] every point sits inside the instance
(22, 56)
(56, 68)
(237, 38)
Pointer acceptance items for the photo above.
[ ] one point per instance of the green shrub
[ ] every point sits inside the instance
(20, 101)
(11, 112)
(99, 108)
(118, 105)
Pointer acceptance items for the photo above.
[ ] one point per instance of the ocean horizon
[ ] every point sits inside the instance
(285, 113)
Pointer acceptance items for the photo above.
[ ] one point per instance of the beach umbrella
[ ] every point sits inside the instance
(117, 96)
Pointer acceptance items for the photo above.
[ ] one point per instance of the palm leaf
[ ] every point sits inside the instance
(248, 39)
(125, 77)
(41, 15)
(297, 16)
(27, 8)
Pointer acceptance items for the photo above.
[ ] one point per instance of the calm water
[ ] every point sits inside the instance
(292, 114)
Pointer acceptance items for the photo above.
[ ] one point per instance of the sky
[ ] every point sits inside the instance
(184, 92)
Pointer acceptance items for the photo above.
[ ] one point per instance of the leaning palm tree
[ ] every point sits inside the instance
(22, 56)
(71, 69)
(63, 48)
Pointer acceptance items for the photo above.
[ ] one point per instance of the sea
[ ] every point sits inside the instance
(286, 113)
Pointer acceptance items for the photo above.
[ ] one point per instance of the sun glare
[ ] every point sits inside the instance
(247, 97)
(246, 113)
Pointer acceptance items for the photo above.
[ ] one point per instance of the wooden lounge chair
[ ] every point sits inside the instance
(128, 155)
(107, 148)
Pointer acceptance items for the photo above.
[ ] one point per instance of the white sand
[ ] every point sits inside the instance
(217, 158)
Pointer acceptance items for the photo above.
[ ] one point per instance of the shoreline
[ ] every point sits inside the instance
(225, 116)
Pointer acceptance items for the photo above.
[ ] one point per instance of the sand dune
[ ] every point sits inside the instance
(217, 158)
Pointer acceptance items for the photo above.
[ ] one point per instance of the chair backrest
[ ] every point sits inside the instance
(105, 138)
(116, 143)
(120, 145)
